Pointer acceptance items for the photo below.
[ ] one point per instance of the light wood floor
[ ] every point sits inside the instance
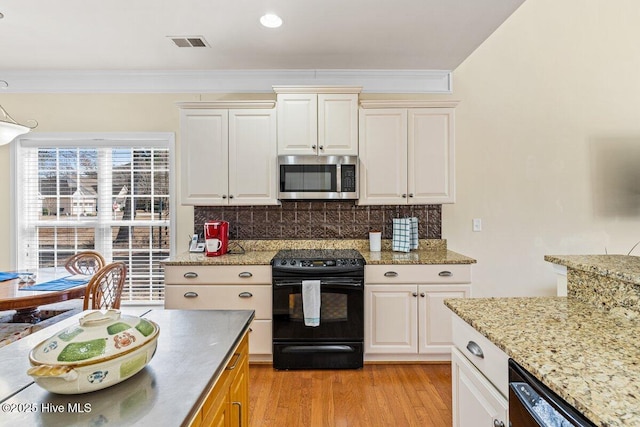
(377, 395)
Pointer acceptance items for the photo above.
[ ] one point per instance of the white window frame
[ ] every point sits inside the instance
(102, 139)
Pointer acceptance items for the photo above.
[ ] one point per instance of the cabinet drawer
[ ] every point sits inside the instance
(494, 362)
(212, 275)
(423, 273)
(212, 297)
(260, 341)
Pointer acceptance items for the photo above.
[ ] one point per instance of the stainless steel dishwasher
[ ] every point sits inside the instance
(532, 404)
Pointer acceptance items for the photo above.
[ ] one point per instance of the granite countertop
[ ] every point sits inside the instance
(619, 267)
(587, 355)
(420, 256)
(193, 348)
(260, 252)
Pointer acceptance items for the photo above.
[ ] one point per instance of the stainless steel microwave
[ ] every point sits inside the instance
(317, 177)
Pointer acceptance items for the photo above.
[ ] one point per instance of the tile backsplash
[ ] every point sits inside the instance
(318, 220)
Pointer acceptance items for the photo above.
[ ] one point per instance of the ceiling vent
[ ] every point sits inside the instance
(189, 41)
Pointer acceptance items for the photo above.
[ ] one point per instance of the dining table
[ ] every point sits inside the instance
(15, 293)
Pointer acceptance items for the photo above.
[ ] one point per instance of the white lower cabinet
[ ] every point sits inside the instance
(226, 288)
(405, 316)
(476, 401)
(479, 377)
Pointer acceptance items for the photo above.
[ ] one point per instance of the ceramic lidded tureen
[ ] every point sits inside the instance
(104, 349)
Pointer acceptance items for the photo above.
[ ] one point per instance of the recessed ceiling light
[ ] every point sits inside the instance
(270, 20)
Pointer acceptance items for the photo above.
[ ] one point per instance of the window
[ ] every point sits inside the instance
(109, 193)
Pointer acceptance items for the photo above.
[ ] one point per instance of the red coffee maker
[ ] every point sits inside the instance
(216, 237)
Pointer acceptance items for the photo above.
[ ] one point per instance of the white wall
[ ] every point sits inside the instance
(548, 142)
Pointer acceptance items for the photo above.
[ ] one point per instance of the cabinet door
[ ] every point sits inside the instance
(260, 337)
(383, 156)
(220, 415)
(391, 316)
(475, 401)
(431, 156)
(297, 123)
(434, 318)
(204, 156)
(338, 124)
(239, 395)
(252, 157)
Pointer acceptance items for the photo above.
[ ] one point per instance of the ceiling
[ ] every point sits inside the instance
(125, 35)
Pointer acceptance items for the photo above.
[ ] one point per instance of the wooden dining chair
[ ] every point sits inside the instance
(105, 287)
(86, 262)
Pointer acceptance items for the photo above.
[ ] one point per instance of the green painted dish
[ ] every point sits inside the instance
(104, 349)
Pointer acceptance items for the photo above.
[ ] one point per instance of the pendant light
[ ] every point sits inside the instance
(9, 128)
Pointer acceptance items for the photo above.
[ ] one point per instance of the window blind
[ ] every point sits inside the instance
(111, 196)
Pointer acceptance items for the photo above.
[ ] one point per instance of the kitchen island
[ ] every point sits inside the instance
(584, 346)
(182, 378)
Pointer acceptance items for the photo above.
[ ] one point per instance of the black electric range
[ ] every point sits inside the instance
(318, 309)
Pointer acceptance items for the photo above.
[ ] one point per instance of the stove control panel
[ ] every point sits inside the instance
(319, 262)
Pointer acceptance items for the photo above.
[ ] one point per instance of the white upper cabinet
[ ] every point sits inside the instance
(297, 123)
(383, 156)
(316, 120)
(228, 155)
(430, 173)
(338, 124)
(252, 157)
(406, 152)
(204, 135)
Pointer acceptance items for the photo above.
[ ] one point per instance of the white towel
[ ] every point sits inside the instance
(311, 302)
(414, 232)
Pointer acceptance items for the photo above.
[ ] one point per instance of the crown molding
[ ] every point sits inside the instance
(222, 81)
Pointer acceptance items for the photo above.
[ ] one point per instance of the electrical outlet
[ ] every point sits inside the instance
(477, 224)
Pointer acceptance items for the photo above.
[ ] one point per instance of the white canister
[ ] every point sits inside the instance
(375, 241)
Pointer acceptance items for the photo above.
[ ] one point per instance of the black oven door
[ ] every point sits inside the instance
(341, 311)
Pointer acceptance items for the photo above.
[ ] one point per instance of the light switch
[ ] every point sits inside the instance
(477, 224)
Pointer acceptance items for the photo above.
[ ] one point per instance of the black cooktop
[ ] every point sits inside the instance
(330, 260)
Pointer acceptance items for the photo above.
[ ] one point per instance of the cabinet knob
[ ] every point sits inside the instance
(245, 294)
(410, 194)
(445, 274)
(231, 196)
(422, 294)
(498, 423)
(245, 274)
(191, 294)
(475, 349)
(190, 275)
(404, 195)
(390, 274)
(313, 146)
(321, 147)
(224, 196)
(415, 294)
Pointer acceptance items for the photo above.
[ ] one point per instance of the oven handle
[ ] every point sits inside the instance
(318, 349)
(351, 283)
